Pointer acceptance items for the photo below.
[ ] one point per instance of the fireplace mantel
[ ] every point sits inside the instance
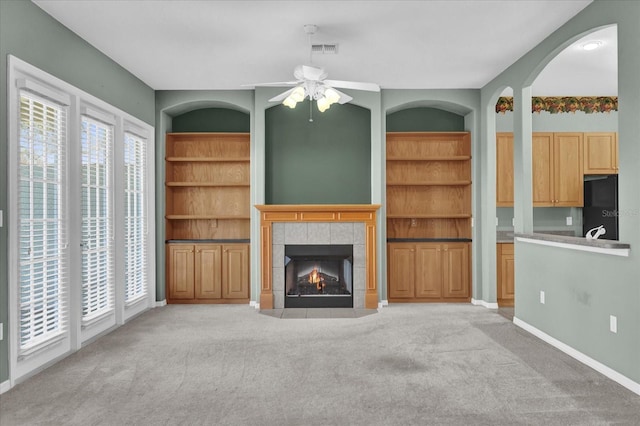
(363, 213)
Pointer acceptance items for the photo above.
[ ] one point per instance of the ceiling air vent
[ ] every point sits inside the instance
(325, 48)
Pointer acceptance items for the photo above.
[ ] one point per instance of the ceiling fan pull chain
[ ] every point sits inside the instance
(310, 112)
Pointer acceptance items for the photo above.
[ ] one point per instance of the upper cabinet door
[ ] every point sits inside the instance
(568, 176)
(542, 166)
(600, 153)
(504, 169)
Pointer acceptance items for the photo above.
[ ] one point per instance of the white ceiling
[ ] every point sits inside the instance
(200, 45)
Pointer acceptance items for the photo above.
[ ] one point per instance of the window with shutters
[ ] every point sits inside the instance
(42, 183)
(97, 218)
(135, 216)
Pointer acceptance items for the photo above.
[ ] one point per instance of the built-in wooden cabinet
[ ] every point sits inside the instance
(557, 169)
(207, 217)
(506, 275)
(428, 202)
(429, 272)
(504, 164)
(208, 273)
(601, 153)
(558, 180)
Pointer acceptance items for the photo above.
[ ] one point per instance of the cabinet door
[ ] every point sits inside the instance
(235, 271)
(542, 169)
(600, 153)
(456, 270)
(568, 179)
(506, 275)
(402, 267)
(208, 271)
(180, 271)
(504, 169)
(428, 270)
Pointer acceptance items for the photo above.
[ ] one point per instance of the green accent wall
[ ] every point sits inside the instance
(424, 120)
(212, 120)
(30, 34)
(326, 161)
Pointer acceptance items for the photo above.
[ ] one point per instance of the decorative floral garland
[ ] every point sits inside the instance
(558, 104)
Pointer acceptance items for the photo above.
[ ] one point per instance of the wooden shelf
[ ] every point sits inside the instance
(429, 216)
(202, 217)
(446, 183)
(451, 158)
(207, 159)
(205, 184)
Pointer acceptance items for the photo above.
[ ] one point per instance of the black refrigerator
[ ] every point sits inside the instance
(601, 206)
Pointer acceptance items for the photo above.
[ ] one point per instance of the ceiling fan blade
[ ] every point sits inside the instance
(344, 98)
(357, 85)
(272, 84)
(281, 96)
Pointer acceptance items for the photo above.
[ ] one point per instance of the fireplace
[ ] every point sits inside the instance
(321, 224)
(318, 276)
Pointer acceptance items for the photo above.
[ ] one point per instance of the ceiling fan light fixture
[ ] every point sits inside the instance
(323, 104)
(298, 94)
(290, 102)
(331, 95)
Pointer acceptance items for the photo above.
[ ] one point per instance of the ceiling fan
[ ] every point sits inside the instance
(312, 82)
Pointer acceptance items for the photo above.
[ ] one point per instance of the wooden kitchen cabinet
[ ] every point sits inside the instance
(505, 274)
(601, 153)
(208, 273)
(558, 180)
(557, 169)
(429, 272)
(504, 169)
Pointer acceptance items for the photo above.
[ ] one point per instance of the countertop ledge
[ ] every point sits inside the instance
(576, 241)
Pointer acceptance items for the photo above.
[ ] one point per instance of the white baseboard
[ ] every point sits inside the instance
(161, 303)
(383, 303)
(488, 305)
(5, 386)
(585, 359)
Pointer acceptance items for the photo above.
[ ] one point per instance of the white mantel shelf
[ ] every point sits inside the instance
(609, 247)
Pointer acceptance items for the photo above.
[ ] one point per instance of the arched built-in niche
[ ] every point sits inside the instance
(171, 104)
(212, 120)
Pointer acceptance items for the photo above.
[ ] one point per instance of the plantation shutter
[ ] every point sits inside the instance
(42, 229)
(97, 219)
(135, 154)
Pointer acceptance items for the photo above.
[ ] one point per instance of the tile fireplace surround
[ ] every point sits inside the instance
(318, 224)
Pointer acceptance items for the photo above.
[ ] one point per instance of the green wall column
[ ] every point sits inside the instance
(522, 161)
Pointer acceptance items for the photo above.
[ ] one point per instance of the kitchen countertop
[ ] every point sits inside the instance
(508, 236)
(578, 241)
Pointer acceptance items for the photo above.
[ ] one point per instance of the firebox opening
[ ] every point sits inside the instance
(318, 276)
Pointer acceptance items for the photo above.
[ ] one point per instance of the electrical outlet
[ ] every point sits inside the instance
(542, 297)
(1, 218)
(414, 223)
(613, 324)
(513, 221)
(569, 221)
(496, 221)
(1, 331)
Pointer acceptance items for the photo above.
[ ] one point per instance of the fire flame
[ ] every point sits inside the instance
(315, 278)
